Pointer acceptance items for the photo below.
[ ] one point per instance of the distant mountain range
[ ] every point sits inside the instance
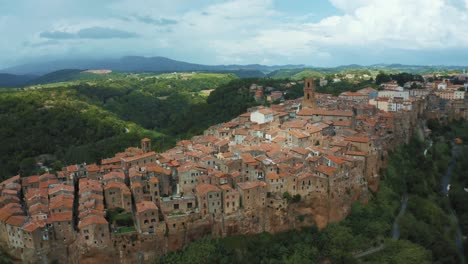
(12, 80)
(36, 73)
(135, 64)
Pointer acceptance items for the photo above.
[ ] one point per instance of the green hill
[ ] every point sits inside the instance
(86, 121)
(58, 122)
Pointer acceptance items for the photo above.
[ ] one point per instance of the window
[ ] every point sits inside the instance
(189, 205)
(176, 206)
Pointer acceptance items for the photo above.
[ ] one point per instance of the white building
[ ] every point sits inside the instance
(442, 86)
(394, 93)
(419, 92)
(459, 95)
(262, 116)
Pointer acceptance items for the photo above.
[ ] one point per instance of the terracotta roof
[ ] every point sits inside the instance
(93, 168)
(204, 188)
(92, 220)
(355, 153)
(153, 180)
(83, 214)
(250, 184)
(32, 226)
(358, 139)
(272, 176)
(46, 184)
(301, 151)
(9, 199)
(16, 220)
(31, 179)
(142, 156)
(242, 132)
(110, 161)
(36, 193)
(335, 159)
(329, 171)
(9, 210)
(294, 124)
(61, 187)
(226, 187)
(10, 180)
(72, 168)
(145, 206)
(114, 175)
(310, 112)
(9, 192)
(122, 186)
(342, 123)
(266, 111)
(90, 188)
(306, 175)
(158, 169)
(38, 208)
(60, 217)
(298, 134)
(248, 158)
(61, 203)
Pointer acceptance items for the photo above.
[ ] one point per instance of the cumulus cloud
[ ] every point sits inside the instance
(89, 33)
(247, 31)
(364, 24)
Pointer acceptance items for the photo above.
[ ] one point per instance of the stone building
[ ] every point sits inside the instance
(252, 194)
(147, 216)
(209, 199)
(117, 194)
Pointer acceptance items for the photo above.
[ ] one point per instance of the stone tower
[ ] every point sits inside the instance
(309, 94)
(146, 145)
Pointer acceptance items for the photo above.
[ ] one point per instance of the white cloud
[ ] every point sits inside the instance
(393, 24)
(240, 31)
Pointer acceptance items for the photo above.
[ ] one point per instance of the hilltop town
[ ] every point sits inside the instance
(299, 163)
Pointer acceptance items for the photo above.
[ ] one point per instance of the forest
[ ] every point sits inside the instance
(85, 122)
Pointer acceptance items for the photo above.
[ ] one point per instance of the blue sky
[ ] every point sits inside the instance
(312, 32)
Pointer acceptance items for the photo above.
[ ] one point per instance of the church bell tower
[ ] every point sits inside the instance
(146, 145)
(309, 94)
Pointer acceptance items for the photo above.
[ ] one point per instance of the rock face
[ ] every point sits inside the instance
(138, 248)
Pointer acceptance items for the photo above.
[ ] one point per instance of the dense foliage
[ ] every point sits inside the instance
(400, 78)
(88, 121)
(459, 179)
(58, 123)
